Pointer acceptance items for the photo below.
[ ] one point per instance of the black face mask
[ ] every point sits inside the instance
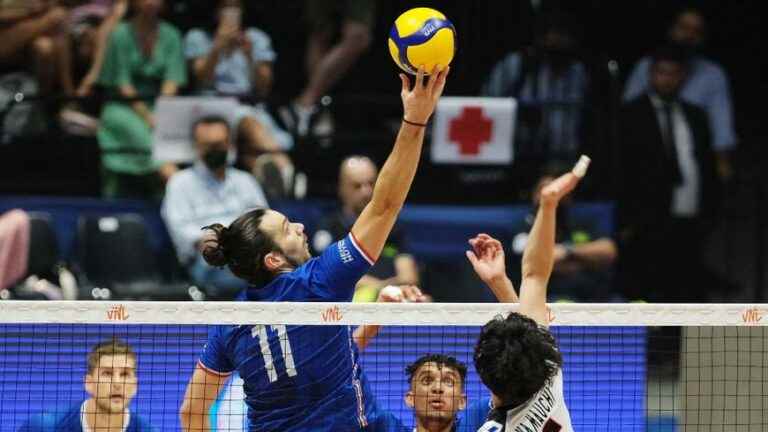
(215, 159)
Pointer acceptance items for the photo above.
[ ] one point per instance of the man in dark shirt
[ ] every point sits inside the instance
(357, 176)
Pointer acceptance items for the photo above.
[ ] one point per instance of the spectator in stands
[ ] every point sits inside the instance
(111, 383)
(584, 252)
(326, 61)
(208, 191)
(144, 60)
(357, 176)
(237, 61)
(706, 85)
(33, 37)
(550, 85)
(91, 25)
(14, 248)
(668, 187)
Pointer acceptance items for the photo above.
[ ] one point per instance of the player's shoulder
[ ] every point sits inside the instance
(59, 419)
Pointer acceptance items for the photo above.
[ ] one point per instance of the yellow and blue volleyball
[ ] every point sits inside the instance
(422, 37)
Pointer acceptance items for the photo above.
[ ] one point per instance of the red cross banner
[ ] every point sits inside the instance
(473, 130)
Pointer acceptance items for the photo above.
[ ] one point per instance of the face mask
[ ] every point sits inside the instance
(215, 159)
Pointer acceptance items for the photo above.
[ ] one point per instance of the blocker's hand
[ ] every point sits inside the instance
(487, 258)
(420, 102)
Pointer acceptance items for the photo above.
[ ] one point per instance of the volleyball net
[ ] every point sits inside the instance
(634, 367)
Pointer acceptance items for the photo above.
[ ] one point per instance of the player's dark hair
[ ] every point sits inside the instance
(671, 53)
(242, 247)
(112, 346)
(515, 357)
(441, 360)
(208, 120)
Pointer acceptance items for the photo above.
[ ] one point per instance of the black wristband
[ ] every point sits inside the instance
(414, 123)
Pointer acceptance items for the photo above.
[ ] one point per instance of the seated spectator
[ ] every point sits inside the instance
(584, 254)
(208, 192)
(91, 25)
(706, 85)
(32, 34)
(14, 248)
(237, 61)
(667, 190)
(327, 60)
(357, 176)
(550, 86)
(143, 60)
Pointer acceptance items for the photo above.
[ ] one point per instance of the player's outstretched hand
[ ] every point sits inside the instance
(552, 193)
(401, 294)
(419, 102)
(487, 258)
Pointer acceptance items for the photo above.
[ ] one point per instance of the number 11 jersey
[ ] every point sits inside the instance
(300, 377)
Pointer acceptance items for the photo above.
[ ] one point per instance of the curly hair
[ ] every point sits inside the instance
(441, 360)
(515, 357)
(242, 247)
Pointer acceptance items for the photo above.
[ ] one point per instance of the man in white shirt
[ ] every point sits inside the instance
(208, 192)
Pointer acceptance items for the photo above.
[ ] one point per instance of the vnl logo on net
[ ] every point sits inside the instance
(752, 316)
(332, 314)
(117, 313)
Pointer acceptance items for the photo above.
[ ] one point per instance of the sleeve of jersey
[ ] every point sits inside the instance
(339, 268)
(214, 358)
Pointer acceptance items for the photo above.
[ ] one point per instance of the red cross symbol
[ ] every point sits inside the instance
(470, 130)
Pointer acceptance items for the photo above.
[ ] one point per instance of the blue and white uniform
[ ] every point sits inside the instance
(73, 420)
(300, 377)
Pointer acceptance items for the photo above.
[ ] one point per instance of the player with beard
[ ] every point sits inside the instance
(111, 382)
(305, 377)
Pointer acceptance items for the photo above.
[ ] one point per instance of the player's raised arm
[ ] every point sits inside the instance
(488, 261)
(538, 257)
(202, 391)
(375, 222)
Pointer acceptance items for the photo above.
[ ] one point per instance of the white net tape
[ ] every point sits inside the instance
(450, 314)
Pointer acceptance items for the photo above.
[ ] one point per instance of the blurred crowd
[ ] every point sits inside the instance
(102, 65)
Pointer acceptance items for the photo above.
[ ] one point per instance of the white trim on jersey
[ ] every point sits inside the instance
(545, 407)
(84, 421)
(360, 249)
(356, 383)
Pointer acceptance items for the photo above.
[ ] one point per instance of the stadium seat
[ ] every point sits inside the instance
(114, 253)
(43, 247)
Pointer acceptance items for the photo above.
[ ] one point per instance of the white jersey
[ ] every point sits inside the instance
(544, 412)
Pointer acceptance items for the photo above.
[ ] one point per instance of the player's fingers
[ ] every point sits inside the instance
(440, 82)
(405, 83)
(411, 293)
(433, 77)
(419, 79)
(560, 187)
(472, 258)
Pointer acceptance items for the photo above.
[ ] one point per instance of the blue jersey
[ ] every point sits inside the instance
(71, 420)
(298, 377)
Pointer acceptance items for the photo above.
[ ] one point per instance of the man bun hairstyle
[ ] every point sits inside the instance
(241, 247)
(516, 358)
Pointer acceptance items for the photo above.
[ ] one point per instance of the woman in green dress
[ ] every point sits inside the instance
(144, 60)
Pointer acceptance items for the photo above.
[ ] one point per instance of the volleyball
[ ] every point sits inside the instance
(422, 37)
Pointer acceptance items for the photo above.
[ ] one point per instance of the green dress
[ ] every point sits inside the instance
(124, 137)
